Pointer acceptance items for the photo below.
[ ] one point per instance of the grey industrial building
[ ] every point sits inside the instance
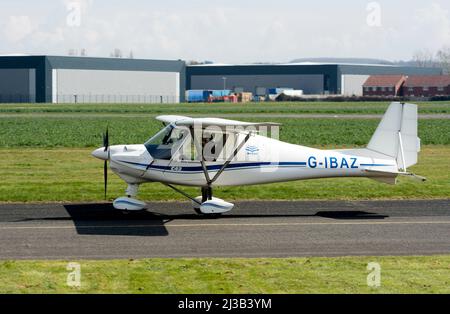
(90, 80)
(113, 80)
(312, 78)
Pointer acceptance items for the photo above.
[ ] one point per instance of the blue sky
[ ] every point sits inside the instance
(226, 31)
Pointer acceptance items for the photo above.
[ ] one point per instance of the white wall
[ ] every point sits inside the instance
(352, 84)
(104, 86)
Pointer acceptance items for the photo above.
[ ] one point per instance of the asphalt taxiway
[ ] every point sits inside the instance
(252, 229)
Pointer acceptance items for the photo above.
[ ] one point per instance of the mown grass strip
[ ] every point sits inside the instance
(425, 274)
(73, 175)
(217, 108)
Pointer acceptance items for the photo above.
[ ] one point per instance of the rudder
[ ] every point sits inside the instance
(396, 135)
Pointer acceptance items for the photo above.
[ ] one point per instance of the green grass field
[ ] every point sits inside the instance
(85, 131)
(254, 276)
(220, 108)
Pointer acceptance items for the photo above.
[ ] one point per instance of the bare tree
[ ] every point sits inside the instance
(72, 52)
(117, 53)
(443, 58)
(423, 58)
(195, 62)
(83, 52)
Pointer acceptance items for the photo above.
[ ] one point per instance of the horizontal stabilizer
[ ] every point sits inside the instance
(387, 180)
(383, 176)
(391, 177)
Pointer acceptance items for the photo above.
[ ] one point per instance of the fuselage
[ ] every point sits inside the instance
(261, 160)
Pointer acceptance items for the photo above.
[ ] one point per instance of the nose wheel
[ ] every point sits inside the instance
(209, 205)
(129, 202)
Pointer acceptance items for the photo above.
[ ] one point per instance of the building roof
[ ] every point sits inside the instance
(428, 81)
(383, 80)
(91, 63)
(305, 63)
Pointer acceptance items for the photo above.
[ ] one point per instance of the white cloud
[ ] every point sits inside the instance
(432, 26)
(17, 28)
(227, 32)
(84, 4)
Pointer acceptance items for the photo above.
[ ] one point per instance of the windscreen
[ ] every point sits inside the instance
(165, 142)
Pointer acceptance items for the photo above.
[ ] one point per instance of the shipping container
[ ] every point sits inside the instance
(293, 93)
(197, 95)
(261, 91)
(278, 90)
(245, 97)
(221, 93)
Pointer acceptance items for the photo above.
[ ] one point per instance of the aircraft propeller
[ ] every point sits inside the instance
(105, 165)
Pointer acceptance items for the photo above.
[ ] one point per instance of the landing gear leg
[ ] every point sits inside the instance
(132, 190)
(207, 193)
(206, 196)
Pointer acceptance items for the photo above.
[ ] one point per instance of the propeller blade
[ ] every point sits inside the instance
(106, 139)
(105, 176)
(105, 165)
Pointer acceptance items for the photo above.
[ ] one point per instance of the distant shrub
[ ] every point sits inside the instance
(440, 98)
(286, 98)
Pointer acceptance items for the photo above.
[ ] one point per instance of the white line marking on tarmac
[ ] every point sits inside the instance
(232, 225)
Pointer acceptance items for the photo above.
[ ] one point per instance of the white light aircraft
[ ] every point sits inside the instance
(212, 152)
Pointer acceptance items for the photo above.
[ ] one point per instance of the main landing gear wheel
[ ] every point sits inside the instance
(206, 205)
(210, 206)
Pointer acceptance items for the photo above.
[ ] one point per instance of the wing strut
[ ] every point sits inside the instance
(182, 193)
(199, 150)
(224, 166)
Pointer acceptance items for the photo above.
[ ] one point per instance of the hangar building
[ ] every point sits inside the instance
(312, 78)
(113, 80)
(90, 80)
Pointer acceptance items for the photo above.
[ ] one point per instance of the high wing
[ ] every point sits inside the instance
(168, 119)
(206, 122)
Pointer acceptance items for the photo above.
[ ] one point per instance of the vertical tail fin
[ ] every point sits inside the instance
(396, 135)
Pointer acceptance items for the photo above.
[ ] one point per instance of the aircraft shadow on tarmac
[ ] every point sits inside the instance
(147, 223)
(103, 219)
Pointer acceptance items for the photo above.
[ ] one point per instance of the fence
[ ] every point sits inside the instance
(17, 98)
(101, 98)
(107, 98)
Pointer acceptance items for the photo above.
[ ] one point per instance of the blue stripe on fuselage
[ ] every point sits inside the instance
(376, 165)
(236, 166)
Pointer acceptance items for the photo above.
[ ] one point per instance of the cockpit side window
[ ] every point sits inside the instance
(176, 143)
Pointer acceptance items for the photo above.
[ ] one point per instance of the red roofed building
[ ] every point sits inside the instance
(427, 86)
(384, 85)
